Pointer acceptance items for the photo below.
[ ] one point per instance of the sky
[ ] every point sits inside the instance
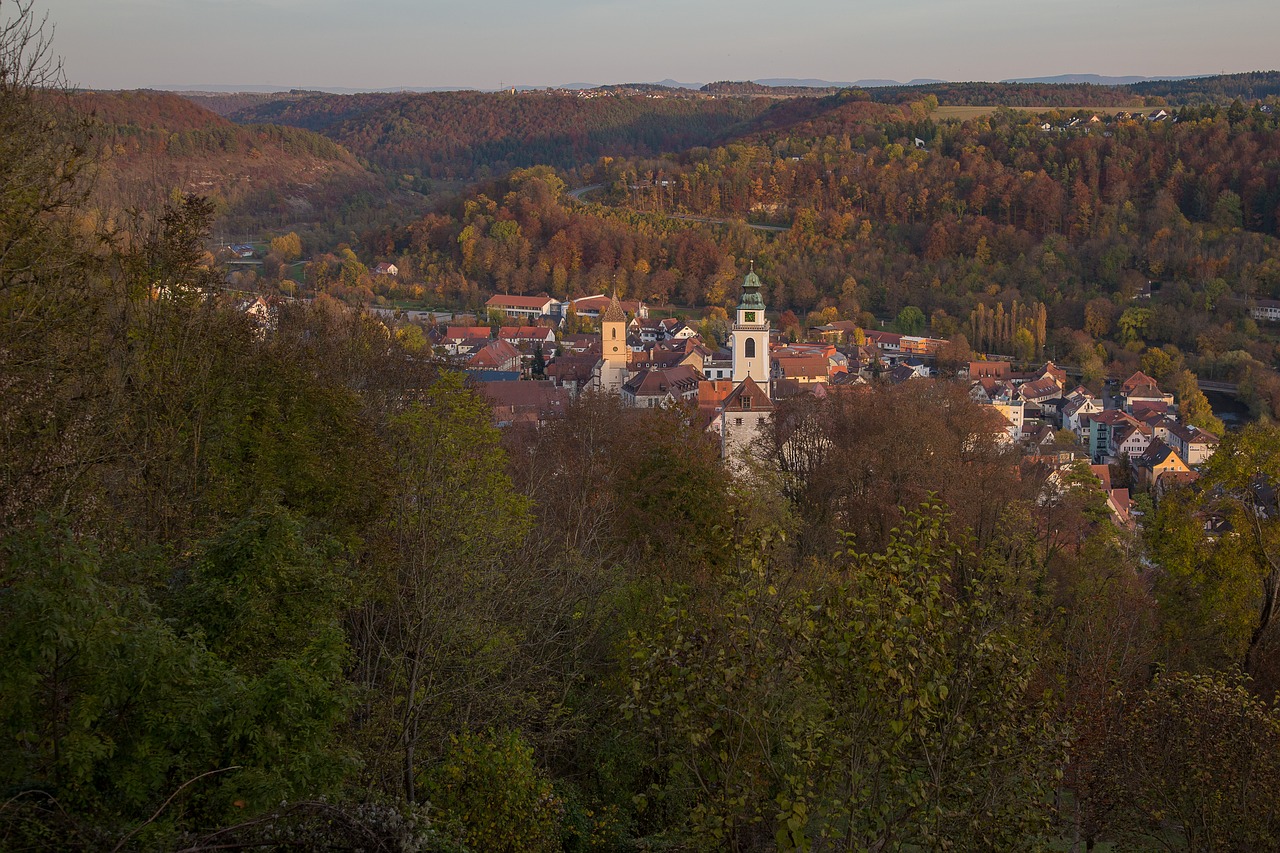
(375, 44)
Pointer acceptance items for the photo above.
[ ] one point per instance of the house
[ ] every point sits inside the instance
(804, 369)
(656, 387)
(1146, 398)
(1040, 390)
(1267, 310)
(493, 355)
(1098, 427)
(525, 403)
(736, 417)
(594, 306)
(1013, 412)
(386, 269)
(1193, 445)
(719, 365)
(1130, 440)
(262, 314)
(527, 337)
(1158, 460)
(460, 339)
(913, 345)
(574, 373)
(990, 369)
(1137, 380)
(526, 307)
(888, 342)
(838, 332)
(902, 373)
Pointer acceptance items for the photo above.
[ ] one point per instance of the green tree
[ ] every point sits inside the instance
(489, 793)
(871, 711)
(1133, 324)
(440, 637)
(109, 710)
(910, 321)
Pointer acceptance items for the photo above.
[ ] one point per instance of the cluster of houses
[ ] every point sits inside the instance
(1137, 425)
(1097, 120)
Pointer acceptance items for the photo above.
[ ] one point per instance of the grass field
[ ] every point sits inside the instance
(973, 112)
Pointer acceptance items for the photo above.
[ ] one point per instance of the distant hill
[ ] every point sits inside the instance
(152, 143)
(1220, 89)
(1092, 79)
(475, 136)
(829, 84)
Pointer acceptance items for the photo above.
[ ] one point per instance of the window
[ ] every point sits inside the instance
(615, 333)
(737, 421)
(750, 351)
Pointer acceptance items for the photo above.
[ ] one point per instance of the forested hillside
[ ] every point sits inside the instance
(990, 223)
(148, 145)
(471, 135)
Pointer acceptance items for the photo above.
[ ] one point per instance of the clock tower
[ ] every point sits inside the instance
(749, 337)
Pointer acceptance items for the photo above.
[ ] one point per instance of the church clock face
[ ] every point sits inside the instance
(750, 316)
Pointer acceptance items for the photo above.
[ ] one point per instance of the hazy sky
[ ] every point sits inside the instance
(492, 43)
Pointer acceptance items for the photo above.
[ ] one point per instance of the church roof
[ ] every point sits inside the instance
(748, 396)
(614, 313)
(751, 292)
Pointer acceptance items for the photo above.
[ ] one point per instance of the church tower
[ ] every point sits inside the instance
(611, 370)
(613, 334)
(749, 337)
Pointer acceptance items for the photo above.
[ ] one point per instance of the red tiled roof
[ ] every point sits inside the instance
(503, 300)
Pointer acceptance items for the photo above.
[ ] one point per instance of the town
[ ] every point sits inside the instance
(531, 372)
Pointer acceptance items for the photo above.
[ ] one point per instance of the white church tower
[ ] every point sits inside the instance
(749, 337)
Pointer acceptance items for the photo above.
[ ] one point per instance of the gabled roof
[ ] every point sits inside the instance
(1040, 389)
(1148, 392)
(1188, 434)
(540, 333)
(748, 396)
(1103, 473)
(806, 367)
(1111, 417)
(462, 333)
(654, 382)
(493, 354)
(1157, 454)
(1137, 379)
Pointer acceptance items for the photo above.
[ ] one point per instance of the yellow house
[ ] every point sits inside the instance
(1159, 458)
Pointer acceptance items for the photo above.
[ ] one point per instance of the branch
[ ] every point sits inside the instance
(165, 804)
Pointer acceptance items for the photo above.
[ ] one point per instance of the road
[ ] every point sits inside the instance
(577, 195)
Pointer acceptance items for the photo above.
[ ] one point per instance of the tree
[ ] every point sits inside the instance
(910, 320)
(287, 246)
(1244, 462)
(1193, 405)
(872, 709)
(1024, 345)
(1196, 756)
(440, 638)
(50, 277)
